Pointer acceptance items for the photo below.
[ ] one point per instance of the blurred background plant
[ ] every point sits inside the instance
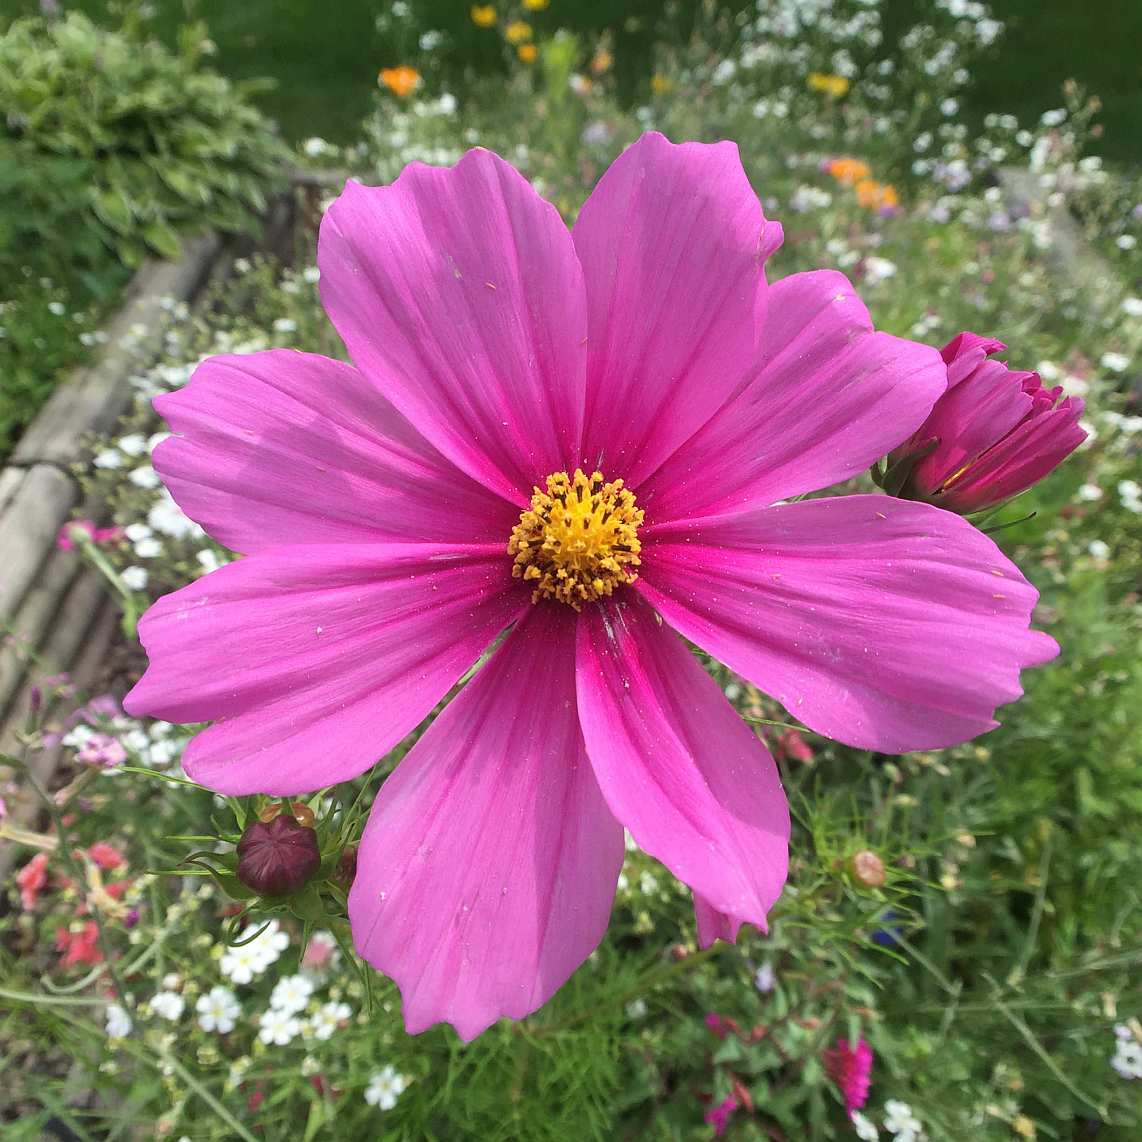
(111, 147)
(972, 915)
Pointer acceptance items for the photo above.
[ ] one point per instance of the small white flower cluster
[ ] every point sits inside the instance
(899, 1121)
(249, 958)
(385, 1087)
(1127, 1057)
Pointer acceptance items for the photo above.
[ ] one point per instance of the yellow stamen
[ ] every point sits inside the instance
(578, 540)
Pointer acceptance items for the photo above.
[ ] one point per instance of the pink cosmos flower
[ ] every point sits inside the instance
(991, 436)
(577, 437)
(851, 1069)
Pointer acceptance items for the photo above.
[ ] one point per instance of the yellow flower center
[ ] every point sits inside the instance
(578, 540)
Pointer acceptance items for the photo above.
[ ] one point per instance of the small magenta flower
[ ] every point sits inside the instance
(101, 751)
(993, 434)
(593, 442)
(719, 1116)
(851, 1069)
(277, 857)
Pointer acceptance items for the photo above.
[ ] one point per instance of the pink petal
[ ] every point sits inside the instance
(965, 353)
(678, 767)
(673, 243)
(1023, 457)
(828, 399)
(884, 624)
(458, 294)
(714, 925)
(313, 662)
(976, 414)
(488, 867)
(280, 447)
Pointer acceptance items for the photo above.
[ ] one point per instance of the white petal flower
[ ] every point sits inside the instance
(169, 1005)
(218, 1010)
(291, 994)
(865, 1130)
(278, 1027)
(385, 1088)
(118, 1022)
(134, 577)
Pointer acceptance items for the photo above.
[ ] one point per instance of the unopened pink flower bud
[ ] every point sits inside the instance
(993, 433)
(277, 857)
(867, 869)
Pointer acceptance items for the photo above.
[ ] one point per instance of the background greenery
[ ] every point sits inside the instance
(991, 966)
(324, 57)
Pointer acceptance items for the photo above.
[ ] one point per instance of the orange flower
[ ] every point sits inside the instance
(517, 32)
(527, 52)
(661, 84)
(602, 61)
(875, 195)
(401, 81)
(868, 192)
(832, 85)
(483, 15)
(848, 171)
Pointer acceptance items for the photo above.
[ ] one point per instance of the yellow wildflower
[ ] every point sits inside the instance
(483, 15)
(1023, 1126)
(535, 5)
(517, 32)
(527, 52)
(401, 81)
(661, 84)
(832, 85)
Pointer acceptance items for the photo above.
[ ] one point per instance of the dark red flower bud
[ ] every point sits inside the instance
(347, 867)
(277, 857)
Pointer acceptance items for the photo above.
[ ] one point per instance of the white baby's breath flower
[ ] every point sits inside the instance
(144, 477)
(118, 1022)
(278, 1027)
(135, 444)
(169, 1005)
(218, 1010)
(326, 1019)
(109, 458)
(291, 993)
(865, 1130)
(385, 1087)
(148, 548)
(134, 578)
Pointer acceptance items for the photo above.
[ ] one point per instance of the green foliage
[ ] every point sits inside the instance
(111, 147)
(151, 140)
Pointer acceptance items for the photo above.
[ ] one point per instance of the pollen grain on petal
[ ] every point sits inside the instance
(578, 540)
